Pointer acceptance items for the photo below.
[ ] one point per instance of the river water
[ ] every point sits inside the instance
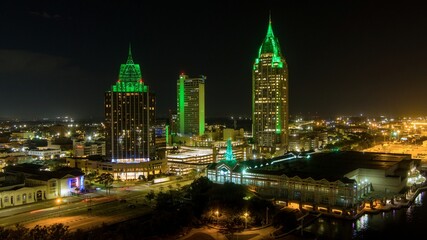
(404, 223)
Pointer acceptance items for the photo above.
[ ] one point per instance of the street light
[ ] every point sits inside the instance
(266, 215)
(217, 213)
(246, 219)
(89, 202)
(58, 201)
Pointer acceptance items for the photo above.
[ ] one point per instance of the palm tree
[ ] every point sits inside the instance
(119, 180)
(107, 179)
(90, 177)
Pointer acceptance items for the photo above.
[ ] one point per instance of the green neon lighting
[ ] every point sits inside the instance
(256, 63)
(181, 108)
(270, 51)
(271, 45)
(167, 135)
(229, 156)
(253, 99)
(278, 121)
(201, 109)
(130, 77)
(277, 62)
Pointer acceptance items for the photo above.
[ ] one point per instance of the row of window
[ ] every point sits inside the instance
(18, 197)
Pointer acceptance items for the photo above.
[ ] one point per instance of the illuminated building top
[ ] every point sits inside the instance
(271, 45)
(130, 77)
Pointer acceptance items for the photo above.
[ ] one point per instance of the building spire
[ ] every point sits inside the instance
(270, 43)
(270, 28)
(229, 155)
(130, 60)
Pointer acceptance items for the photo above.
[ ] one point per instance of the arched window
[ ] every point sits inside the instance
(6, 199)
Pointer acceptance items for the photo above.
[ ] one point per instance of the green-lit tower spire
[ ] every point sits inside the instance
(229, 155)
(130, 77)
(271, 45)
(270, 95)
(130, 60)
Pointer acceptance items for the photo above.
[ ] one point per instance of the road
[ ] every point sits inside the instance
(87, 211)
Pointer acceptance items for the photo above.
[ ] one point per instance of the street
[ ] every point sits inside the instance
(87, 210)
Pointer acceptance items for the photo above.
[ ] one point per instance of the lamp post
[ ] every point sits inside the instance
(89, 202)
(216, 213)
(58, 201)
(246, 219)
(266, 216)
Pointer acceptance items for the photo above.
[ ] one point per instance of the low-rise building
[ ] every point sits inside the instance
(186, 159)
(123, 171)
(45, 153)
(335, 182)
(84, 149)
(32, 184)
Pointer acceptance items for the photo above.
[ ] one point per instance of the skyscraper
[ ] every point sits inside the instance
(270, 95)
(129, 114)
(191, 105)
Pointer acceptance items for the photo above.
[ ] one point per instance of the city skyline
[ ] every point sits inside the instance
(348, 58)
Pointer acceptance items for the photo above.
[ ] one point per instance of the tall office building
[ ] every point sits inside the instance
(270, 96)
(129, 114)
(191, 105)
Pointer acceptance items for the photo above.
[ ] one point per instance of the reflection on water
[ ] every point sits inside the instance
(361, 223)
(408, 222)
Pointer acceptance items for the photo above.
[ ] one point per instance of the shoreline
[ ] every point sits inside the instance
(409, 199)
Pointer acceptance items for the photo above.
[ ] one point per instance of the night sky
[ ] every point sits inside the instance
(58, 58)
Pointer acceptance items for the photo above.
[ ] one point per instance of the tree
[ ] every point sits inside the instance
(192, 174)
(107, 179)
(199, 193)
(90, 177)
(53, 232)
(229, 195)
(18, 233)
(171, 208)
(150, 196)
(258, 209)
(119, 179)
(201, 185)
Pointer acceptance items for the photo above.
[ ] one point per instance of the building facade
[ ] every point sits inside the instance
(45, 153)
(270, 95)
(129, 114)
(40, 184)
(337, 183)
(191, 105)
(122, 171)
(83, 148)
